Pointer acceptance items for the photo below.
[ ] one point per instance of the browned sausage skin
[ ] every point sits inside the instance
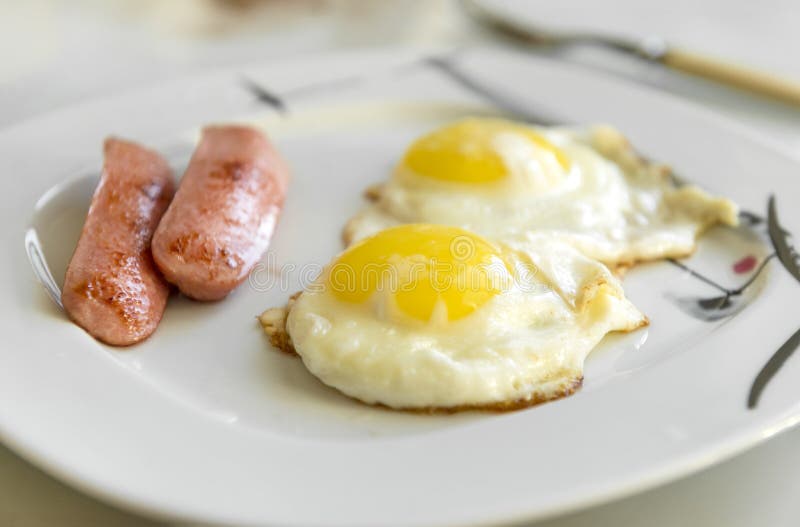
(112, 288)
(222, 218)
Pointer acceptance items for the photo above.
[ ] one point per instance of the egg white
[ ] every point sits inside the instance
(609, 203)
(525, 345)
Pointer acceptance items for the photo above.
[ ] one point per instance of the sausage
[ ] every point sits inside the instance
(224, 212)
(112, 288)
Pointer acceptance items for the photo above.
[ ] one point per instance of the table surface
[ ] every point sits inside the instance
(56, 60)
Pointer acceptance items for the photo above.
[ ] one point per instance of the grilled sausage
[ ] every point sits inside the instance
(112, 288)
(224, 212)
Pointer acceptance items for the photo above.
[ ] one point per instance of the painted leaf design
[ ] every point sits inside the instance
(786, 253)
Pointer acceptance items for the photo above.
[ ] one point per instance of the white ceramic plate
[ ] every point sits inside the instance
(205, 422)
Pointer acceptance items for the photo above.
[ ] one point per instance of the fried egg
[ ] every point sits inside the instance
(435, 317)
(504, 180)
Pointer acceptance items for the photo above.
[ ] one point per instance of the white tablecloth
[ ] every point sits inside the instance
(58, 53)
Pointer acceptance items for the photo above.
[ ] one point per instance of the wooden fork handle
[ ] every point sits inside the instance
(744, 78)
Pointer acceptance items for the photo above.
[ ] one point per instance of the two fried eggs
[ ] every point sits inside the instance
(479, 276)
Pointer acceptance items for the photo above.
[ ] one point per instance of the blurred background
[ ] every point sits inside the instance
(56, 53)
(59, 53)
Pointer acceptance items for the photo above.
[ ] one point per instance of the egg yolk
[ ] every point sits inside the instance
(429, 272)
(465, 152)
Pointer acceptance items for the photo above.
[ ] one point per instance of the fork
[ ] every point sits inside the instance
(652, 49)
